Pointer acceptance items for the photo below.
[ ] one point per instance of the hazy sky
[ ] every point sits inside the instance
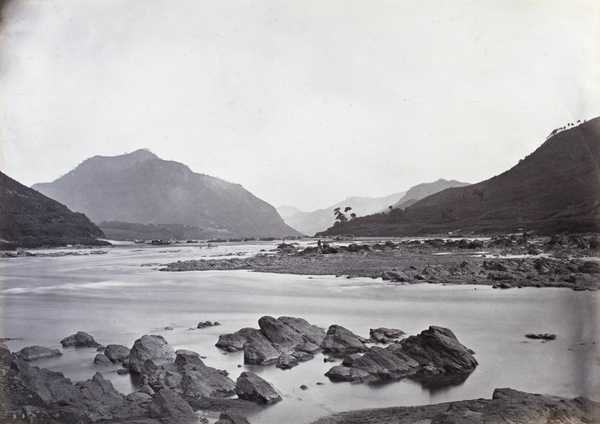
(302, 102)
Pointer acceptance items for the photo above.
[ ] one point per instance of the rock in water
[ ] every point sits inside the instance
(342, 340)
(188, 376)
(376, 364)
(116, 353)
(151, 347)
(434, 351)
(31, 353)
(438, 351)
(81, 339)
(250, 386)
(101, 359)
(171, 408)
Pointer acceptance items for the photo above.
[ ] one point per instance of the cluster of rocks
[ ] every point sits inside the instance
(287, 341)
(170, 382)
(432, 352)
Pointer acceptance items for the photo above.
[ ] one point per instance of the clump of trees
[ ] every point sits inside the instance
(342, 216)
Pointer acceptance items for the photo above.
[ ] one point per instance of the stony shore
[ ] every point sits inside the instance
(502, 262)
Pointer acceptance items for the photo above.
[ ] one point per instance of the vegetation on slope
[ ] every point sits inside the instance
(30, 219)
(555, 189)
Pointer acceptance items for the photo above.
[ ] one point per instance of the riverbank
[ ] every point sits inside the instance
(502, 262)
(507, 406)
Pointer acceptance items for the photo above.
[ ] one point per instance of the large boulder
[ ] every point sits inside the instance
(170, 408)
(342, 340)
(259, 350)
(276, 337)
(235, 341)
(375, 365)
(116, 353)
(151, 347)
(438, 350)
(188, 376)
(81, 339)
(32, 353)
(250, 386)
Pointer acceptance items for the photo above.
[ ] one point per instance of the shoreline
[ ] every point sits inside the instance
(500, 262)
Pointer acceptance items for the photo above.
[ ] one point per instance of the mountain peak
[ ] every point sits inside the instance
(142, 154)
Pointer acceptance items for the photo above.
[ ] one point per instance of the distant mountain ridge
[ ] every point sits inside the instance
(140, 187)
(421, 191)
(555, 189)
(30, 219)
(310, 223)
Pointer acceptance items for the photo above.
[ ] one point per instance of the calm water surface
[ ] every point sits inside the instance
(119, 296)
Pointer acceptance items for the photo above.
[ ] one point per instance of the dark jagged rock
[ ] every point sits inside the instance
(376, 364)
(438, 351)
(151, 347)
(188, 376)
(342, 340)
(116, 353)
(32, 353)
(294, 337)
(48, 397)
(250, 386)
(79, 340)
(171, 408)
(235, 341)
(434, 351)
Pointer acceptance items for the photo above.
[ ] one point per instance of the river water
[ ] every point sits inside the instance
(119, 296)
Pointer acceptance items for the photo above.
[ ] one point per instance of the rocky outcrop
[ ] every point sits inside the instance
(250, 386)
(507, 406)
(284, 341)
(438, 350)
(434, 351)
(32, 353)
(187, 376)
(35, 394)
(150, 347)
(79, 340)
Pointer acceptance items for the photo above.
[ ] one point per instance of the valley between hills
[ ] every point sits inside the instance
(187, 240)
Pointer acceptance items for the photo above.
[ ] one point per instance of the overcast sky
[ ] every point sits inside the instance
(302, 102)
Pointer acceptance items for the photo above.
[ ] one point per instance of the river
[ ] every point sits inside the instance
(121, 295)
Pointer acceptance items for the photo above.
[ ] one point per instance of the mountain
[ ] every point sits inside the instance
(311, 222)
(141, 188)
(30, 219)
(421, 191)
(554, 189)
